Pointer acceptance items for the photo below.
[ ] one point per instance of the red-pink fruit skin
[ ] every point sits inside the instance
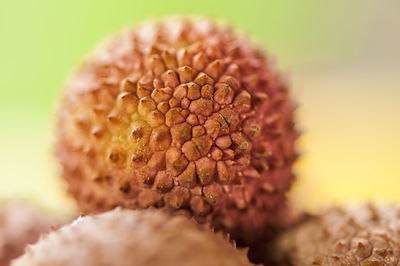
(183, 115)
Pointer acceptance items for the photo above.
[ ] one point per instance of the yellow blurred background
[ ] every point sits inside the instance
(341, 57)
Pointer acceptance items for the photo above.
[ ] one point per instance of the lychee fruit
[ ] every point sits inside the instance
(20, 225)
(181, 114)
(366, 235)
(132, 237)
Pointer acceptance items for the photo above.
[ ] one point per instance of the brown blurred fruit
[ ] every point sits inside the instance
(20, 225)
(363, 236)
(128, 237)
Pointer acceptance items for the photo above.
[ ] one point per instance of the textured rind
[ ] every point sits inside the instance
(184, 115)
(20, 225)
(129, 237)
(367, 235)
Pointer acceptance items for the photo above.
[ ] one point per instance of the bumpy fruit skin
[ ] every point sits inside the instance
(128, 237)
(179, 114)
(19, 225)
(366, 235)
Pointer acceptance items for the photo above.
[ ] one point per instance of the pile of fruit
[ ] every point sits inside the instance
(177, 140)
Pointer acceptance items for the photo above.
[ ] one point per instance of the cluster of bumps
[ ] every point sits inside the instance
(177, 139)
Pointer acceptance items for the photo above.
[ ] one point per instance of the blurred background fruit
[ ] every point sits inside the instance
(363, 235)
(22, 224)
(341, 57)
(126, 237)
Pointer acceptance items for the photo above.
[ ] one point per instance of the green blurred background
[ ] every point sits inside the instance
(342, 58)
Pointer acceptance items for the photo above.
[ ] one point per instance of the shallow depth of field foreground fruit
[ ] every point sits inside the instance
(20, 225)
(128, 237)
(363, 236)
(180, 114)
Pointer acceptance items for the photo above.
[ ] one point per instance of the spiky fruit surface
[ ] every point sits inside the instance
(128, 237)
(363, 236)
(184, 115)
(19, 225)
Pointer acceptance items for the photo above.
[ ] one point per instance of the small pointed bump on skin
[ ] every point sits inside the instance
(173, 102)
(163, 107)
(212, 128)
(203, 79)
(202, 119)
(229, 154)
(222, 172)
(231, 117)
(117, 158)
(213, 52)
(155, 118)
(140, 132)
(252, 173)
(181, 91)
(146, 105)
(188, 177)
(205, 168)
(175, 161)
(100, 111)
(199, 206)
(231, 81)
(223, 142)
(195, 48)
(148, 198)
(198, 131)
(127, 102)
(177, 197)
(242, 102)
(169, 60)
(185, 102)
(115, 118)
(207, 91)
(98, 131)
(201, 106)
(183, 57)
(216, 154)
(186, 74)
(160, 95)
(184, 113)
(214, 69)
(170, 79)
(146, 174)
(199, 61)
(158, 83)
(213, 193)
(160, 138)
(173, 117)
(157, 160)
(83, 122)
(193, 92)
(163, 181)
(251, 128)
(144, 87)
(181, 133)
(128, 86)
(157, 65)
